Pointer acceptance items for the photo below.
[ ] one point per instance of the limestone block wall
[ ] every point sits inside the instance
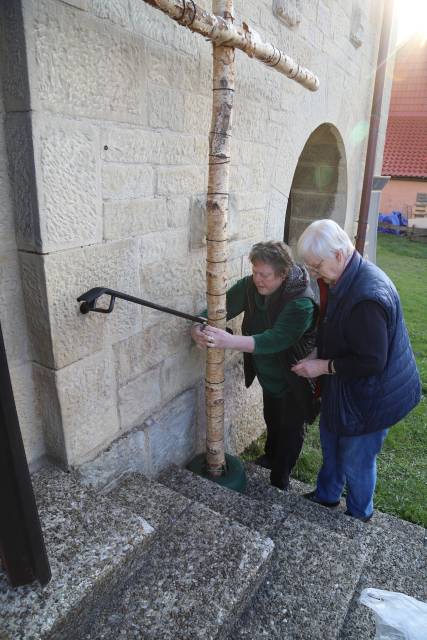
(108, 113)
(13, 318)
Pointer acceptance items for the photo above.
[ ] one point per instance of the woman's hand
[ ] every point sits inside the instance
(206, 336)
(218, 338)
(198, 334)
(310, 368)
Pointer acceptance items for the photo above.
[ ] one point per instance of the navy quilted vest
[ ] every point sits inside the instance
(363, 405)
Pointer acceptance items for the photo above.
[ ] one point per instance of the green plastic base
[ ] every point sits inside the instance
(234, 477)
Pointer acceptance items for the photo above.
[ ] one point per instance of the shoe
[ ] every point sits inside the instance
(279, 484)
(313, 498)
(263, 461)
(366, 519)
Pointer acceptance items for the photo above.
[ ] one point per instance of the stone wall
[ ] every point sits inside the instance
(108, 111)
(12, 314)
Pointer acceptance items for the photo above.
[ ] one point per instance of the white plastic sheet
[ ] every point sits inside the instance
(397, 616)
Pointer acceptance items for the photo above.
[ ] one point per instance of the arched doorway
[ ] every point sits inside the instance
(319, 185)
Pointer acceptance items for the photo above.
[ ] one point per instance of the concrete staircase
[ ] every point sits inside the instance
(182, 558)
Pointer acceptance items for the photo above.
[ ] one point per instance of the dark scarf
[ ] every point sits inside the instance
(296, 281)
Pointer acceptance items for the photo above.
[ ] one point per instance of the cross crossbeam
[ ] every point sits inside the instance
(224, 32)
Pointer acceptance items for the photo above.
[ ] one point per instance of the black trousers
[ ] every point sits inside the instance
(285, 436)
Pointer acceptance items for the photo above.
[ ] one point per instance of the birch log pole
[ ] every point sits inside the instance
(216, 237)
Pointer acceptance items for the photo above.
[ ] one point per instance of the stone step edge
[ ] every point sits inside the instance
(265, 555)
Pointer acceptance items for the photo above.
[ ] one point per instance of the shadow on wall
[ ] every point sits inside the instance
(319, 185)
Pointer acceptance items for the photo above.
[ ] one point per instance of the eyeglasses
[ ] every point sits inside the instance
(314, 268)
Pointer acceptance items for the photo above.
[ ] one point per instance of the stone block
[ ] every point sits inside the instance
(161, 29)
(15, 87)
(181, 180)
(172, 69)
(60, 333)
(253, 224)
(12, 310)
(68, 183)
(257, 83)
(165, 108)
(165, 281)
(171, 244)
(127, 454)
(130, 218)
(28, 409)
(171, 433)
(87, 398)
(152, 317)
(18, 129)
(305, 204)
(178, 211)
(276, 214)
(288, 11)
(322, 178)
(246, 201)
(141, 352)
(153, 147)
(139, 398)
(324, 18)
(85, 67)
(7, 225)
(197, 114)
(115, 11)
(249, 120)
(181, 371)
(45, 385)
(244, 420)
(126, 181)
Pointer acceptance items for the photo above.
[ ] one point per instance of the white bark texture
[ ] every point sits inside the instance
(216, 237)
(222, 31)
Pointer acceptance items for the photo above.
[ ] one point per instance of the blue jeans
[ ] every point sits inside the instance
(350, 460)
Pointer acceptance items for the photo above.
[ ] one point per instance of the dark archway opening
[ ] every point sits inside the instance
(319, 185)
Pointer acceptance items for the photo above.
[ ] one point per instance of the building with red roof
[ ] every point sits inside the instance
(405, 151)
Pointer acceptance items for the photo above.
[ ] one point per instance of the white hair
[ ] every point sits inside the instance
(322, 239)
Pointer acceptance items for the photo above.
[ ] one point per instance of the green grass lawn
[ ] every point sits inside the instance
(402, 464)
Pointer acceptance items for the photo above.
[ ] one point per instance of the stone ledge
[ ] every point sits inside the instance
(308, 591)
(198, 577)
(238, 507)
(92, 544)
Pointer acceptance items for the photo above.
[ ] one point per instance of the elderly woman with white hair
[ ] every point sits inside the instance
(364, 361)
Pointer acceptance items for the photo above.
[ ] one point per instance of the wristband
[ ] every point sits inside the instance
(331, 368)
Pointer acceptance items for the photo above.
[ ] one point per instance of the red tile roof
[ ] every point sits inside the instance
(405, 151)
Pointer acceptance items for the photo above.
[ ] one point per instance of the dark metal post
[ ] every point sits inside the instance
(22, 548)
(377, 99)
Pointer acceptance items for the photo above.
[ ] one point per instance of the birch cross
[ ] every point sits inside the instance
(219, 27)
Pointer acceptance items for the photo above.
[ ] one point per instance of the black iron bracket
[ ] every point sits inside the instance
(89, 299)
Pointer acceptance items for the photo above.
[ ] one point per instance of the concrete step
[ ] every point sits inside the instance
(198, 576)
(92, 545)
(259, 488)
(314, 571)
(323, 559)
(395, 549)
(397, 562)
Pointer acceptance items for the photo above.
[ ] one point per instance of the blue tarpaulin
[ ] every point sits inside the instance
(396, 218)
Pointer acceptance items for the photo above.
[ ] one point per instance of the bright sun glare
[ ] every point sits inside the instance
(411, 17)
